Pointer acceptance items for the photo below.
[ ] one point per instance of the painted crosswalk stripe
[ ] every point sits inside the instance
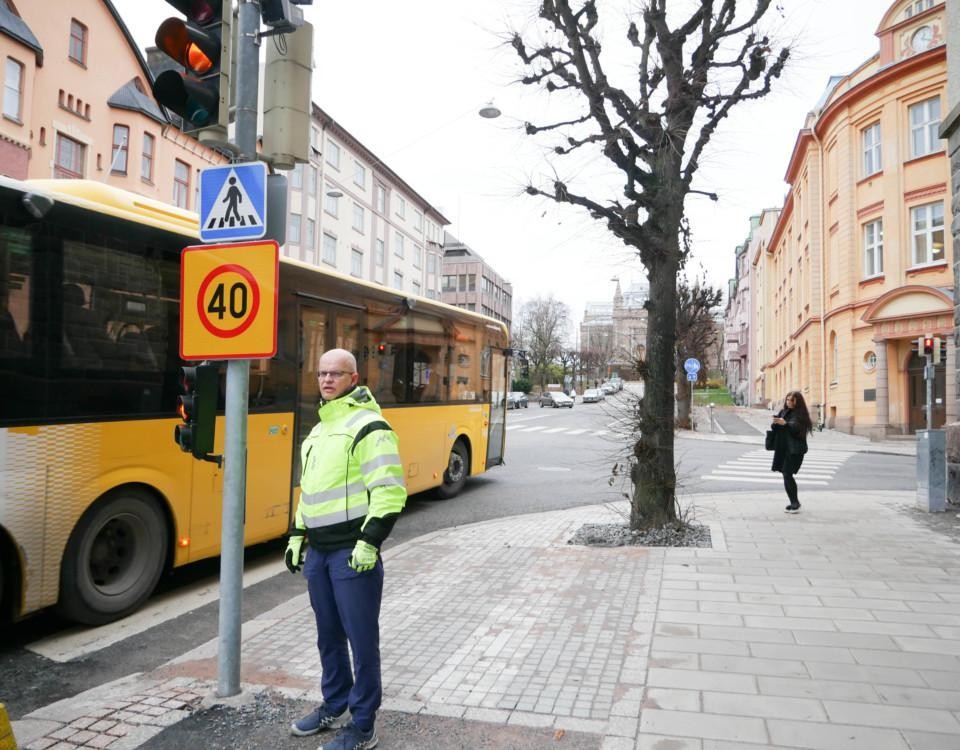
(533, 428)
(554, 429)
(576, 432)
(762, 480)
(600, 432)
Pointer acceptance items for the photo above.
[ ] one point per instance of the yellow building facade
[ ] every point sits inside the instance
(859, 263)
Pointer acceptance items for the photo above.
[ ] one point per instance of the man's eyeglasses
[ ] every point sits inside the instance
(335, 374)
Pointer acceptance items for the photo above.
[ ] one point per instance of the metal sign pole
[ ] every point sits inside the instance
(238, 385)
(928, 375)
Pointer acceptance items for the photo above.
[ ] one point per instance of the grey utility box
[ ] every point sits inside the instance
(931, 470)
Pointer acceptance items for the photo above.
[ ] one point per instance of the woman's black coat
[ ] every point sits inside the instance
(790, 443)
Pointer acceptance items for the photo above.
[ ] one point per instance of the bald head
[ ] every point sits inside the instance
(337, 373)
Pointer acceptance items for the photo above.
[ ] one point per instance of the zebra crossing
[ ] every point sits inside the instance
(753, 467)
(544, 429)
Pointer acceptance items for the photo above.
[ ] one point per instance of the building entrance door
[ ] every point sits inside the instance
(917, 418)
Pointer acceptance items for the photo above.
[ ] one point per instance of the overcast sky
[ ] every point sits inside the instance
(408, 78)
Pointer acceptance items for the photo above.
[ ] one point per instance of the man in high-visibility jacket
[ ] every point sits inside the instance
(351, 492)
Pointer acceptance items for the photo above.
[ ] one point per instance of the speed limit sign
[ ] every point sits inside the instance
(228, 300)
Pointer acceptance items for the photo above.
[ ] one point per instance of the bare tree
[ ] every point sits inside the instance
(543, 321)
(696, 336)
(684, 82)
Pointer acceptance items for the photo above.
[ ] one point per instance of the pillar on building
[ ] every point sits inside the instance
(950, 130)
(882, 421)
(950, 374)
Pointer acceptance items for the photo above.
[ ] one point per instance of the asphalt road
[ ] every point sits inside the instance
(555, 459)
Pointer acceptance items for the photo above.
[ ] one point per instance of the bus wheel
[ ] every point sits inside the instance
(114, 558)
(458, 466)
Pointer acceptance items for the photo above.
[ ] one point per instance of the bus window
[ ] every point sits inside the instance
(15, 262)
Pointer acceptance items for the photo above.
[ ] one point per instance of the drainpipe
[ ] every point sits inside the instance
(823, 285)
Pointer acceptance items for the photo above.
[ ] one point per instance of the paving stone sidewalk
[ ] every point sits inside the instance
(838, 628)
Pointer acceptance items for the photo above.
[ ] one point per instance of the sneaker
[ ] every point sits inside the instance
(792, 509)
(351, 737)
(320, 718)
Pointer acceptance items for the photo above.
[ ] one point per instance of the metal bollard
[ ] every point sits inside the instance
(710, 407)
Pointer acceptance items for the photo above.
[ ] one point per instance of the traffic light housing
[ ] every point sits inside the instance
(928, 345)
(197, 408)
(201, 44)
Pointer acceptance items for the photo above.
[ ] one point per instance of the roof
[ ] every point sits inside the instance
(131, 97)
(13, 26)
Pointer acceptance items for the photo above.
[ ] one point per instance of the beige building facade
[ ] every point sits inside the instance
(349, 212)
(858, 265)
(77, 104)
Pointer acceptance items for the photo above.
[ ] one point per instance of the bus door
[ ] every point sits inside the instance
(322, 327)
(498, 407)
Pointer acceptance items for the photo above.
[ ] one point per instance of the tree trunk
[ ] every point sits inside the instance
(653, 472)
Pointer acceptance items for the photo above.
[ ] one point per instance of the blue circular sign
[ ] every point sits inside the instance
(692, 365)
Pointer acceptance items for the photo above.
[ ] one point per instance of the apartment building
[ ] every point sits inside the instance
(859, 264)
(348, 211)
(470, 282)
(77, 104)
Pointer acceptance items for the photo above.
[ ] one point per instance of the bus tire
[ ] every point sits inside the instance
(114, 558)
(455, 475)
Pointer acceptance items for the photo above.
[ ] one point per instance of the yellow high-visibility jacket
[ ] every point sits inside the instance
(351, 483)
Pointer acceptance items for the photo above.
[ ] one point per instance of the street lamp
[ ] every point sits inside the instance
(489, 111)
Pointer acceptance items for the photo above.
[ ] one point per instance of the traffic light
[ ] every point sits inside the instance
(201, 43)
(197, 408)
(928, 345)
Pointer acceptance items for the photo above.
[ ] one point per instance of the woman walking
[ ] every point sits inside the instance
(791, 425)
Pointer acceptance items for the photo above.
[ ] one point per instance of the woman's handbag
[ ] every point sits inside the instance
(769, 441)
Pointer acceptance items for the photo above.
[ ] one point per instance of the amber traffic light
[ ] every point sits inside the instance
(200, 44)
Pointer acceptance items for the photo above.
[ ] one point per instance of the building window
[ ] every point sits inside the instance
(293, 230)
(927, 230)
(78, 42)
(356, 263)
(378, 253)
(873, 248)
(924, 124)
(431, 263)
(416, 288)
(296, 177)
(310, 241)
(397, 280)
(329, 249)
(146, 161)
(331, 203)
(312, 181)
(401, 207)
(380, 198)
(449, 283)
(417, 254)
(359, 174)
(870, 361)
(181, 184)
(398, 246)
(835, 357)
(13, 90)
(70, 158)
(472, 282)
(418, 220)
(333, 154)
(872, 160)
(358, 217)
(118, 157)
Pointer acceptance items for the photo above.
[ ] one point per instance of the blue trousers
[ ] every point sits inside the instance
(347, 608)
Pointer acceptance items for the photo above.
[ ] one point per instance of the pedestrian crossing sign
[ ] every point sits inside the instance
(233, 202)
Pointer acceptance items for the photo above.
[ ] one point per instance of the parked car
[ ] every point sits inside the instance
(608, 389)
(592, 395)
(517, 399)
(556, 400)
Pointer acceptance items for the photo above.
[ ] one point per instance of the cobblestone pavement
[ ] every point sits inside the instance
(838, 628)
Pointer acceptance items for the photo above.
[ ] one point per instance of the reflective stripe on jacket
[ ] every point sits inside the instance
(351, 482)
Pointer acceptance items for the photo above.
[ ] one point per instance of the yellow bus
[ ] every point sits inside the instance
(96, 499)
